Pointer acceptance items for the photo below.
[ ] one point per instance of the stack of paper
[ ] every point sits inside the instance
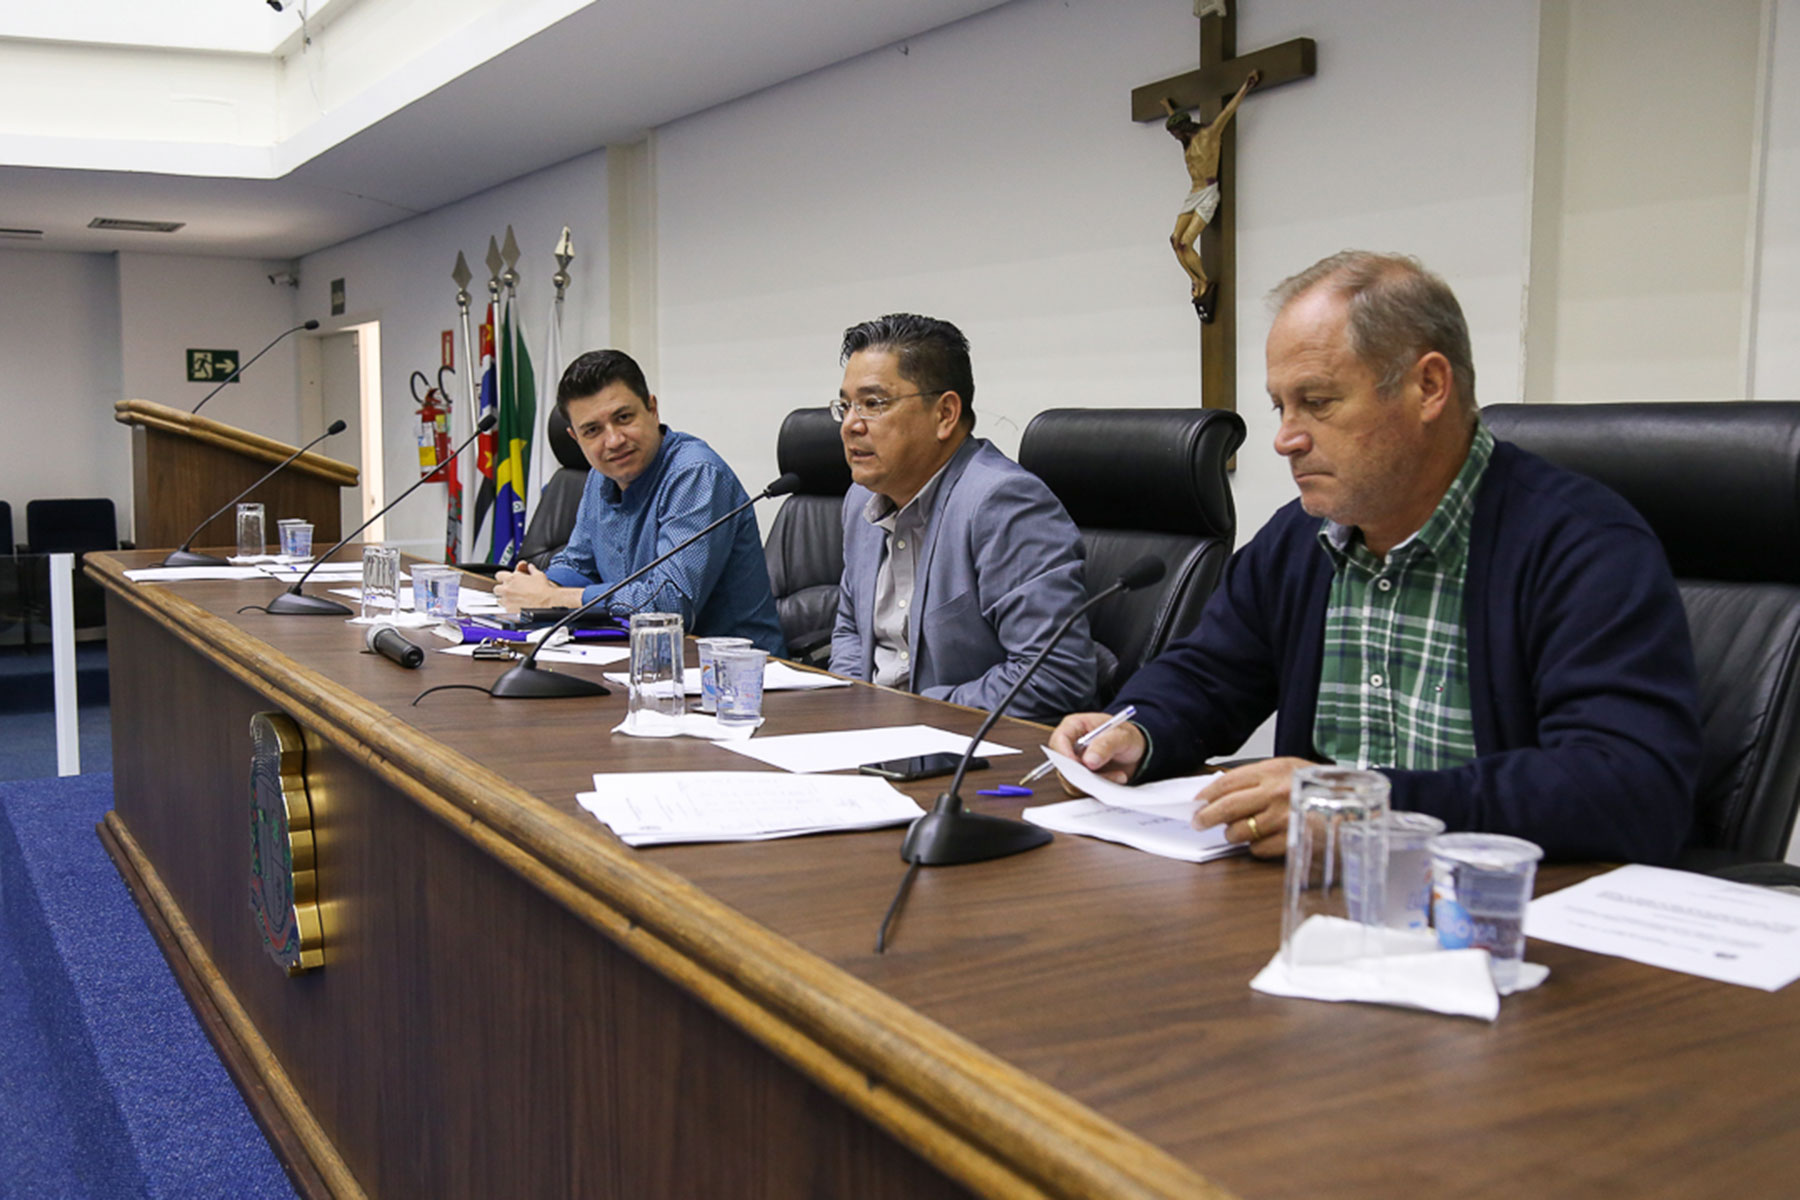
(657, 807)
(777, 677)
(1156, 818)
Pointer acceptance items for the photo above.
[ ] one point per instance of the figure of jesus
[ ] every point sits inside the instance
(1200, 145)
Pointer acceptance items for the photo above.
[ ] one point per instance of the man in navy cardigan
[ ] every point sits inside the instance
(1541, 684)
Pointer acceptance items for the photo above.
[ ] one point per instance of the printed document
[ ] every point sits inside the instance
(1731, 932)
(1156, 818)
(656, 807)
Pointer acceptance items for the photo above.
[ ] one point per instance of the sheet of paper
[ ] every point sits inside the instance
(808, 752)
(777, 677)
(185, 574)
(1731, 932)
(1165, 832)
(1174, 793)
(654, 807)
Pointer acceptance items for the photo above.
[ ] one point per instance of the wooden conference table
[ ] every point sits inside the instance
(513, 1003)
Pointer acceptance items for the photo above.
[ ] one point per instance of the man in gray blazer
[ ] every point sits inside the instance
(958, 563)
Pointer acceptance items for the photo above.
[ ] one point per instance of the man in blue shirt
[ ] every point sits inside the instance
(650, 489)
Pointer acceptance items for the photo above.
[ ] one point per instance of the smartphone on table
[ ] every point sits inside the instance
(920, 766)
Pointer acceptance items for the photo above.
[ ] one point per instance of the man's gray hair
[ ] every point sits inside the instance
(1398, 312)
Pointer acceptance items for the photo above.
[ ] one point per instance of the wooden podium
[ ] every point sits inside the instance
(185, 466)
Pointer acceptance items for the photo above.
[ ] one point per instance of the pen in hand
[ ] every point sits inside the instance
(1081, 743)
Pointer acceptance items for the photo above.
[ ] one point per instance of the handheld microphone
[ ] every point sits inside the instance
(951, 834)
(295, 603)
(527, 682)
(388, 642)
(309, 325)
(183, 557)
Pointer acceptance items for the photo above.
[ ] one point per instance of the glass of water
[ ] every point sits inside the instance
(657, 684)
(380, 581)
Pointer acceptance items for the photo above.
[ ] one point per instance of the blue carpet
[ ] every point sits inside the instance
(125, 1096)
(28, 724)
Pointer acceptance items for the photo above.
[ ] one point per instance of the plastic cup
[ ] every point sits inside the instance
(1480, 885)
(380, 580)
(1408, 892)
(296, 539)
(739, 671)
(709, 683)
(250, 540)
(436, 589)
(656, 665)
(1335, 814)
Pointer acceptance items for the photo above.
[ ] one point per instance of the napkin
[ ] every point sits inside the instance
(1412, 973)
(693, 724)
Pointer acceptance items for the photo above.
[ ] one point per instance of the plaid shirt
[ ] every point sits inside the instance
(1394, 683)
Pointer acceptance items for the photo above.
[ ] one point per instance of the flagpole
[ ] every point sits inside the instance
(543, 459)
(462, 418)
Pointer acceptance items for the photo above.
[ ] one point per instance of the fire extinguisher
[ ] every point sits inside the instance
(433, 429)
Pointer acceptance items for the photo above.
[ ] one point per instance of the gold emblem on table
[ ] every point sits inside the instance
(283, 883)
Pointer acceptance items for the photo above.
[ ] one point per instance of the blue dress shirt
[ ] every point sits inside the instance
(719, 585)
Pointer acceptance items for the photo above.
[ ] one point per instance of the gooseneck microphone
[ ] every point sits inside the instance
(183, 557)
(527, 681)
(951, 834)
(296, 329)
(388, 642)
(295, 603)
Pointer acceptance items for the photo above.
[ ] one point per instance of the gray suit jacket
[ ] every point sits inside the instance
(999, 570)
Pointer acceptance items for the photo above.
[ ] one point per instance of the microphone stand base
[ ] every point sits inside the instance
(299, 604)
(192, 558)
(534, 683)
(951, 834)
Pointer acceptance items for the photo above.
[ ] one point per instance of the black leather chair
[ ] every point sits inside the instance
(14, 615)
(1141, 481)
(1719, 483)
(72, 527)
(805, 547)
(554, 517)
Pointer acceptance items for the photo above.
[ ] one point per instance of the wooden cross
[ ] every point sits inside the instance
(1221, 73)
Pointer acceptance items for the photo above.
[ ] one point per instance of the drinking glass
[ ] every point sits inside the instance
(656, 662)
(250, 541)
(1322, 917)
(380, 581)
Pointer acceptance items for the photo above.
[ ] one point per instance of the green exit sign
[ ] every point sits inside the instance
(210, 366)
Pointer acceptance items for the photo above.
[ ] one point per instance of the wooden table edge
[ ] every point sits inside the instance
(984, 1122)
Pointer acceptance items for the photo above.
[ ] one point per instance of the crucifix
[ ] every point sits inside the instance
(1210, 90)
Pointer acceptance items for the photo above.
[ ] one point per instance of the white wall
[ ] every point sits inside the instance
(400, 276)
(170, 303)
(59, 343)
(989, 173)
(1775, 356)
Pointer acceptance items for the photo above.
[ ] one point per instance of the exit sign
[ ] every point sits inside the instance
(210, 366)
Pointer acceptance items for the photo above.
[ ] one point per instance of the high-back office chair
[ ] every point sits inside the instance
(1719, 483)
(553, 518)
(552, 514)
(805, 549)
(1141, 481)
(13, 611)
(72, 527)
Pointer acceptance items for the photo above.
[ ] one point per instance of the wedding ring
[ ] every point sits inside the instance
(1254, 836)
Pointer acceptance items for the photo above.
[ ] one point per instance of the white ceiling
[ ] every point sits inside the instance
(603, 75)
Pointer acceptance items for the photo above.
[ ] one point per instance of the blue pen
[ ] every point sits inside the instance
(1005, 789)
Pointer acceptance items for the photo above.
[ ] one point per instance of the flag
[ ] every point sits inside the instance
(543, 459)
(482, 476)
(518, 407)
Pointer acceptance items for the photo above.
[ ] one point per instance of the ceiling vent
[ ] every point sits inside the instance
(21, 235)
(121, 225)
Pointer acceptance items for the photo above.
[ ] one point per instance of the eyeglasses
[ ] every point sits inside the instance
(872, 408)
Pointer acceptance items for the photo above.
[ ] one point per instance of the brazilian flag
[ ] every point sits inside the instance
(518, 413)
